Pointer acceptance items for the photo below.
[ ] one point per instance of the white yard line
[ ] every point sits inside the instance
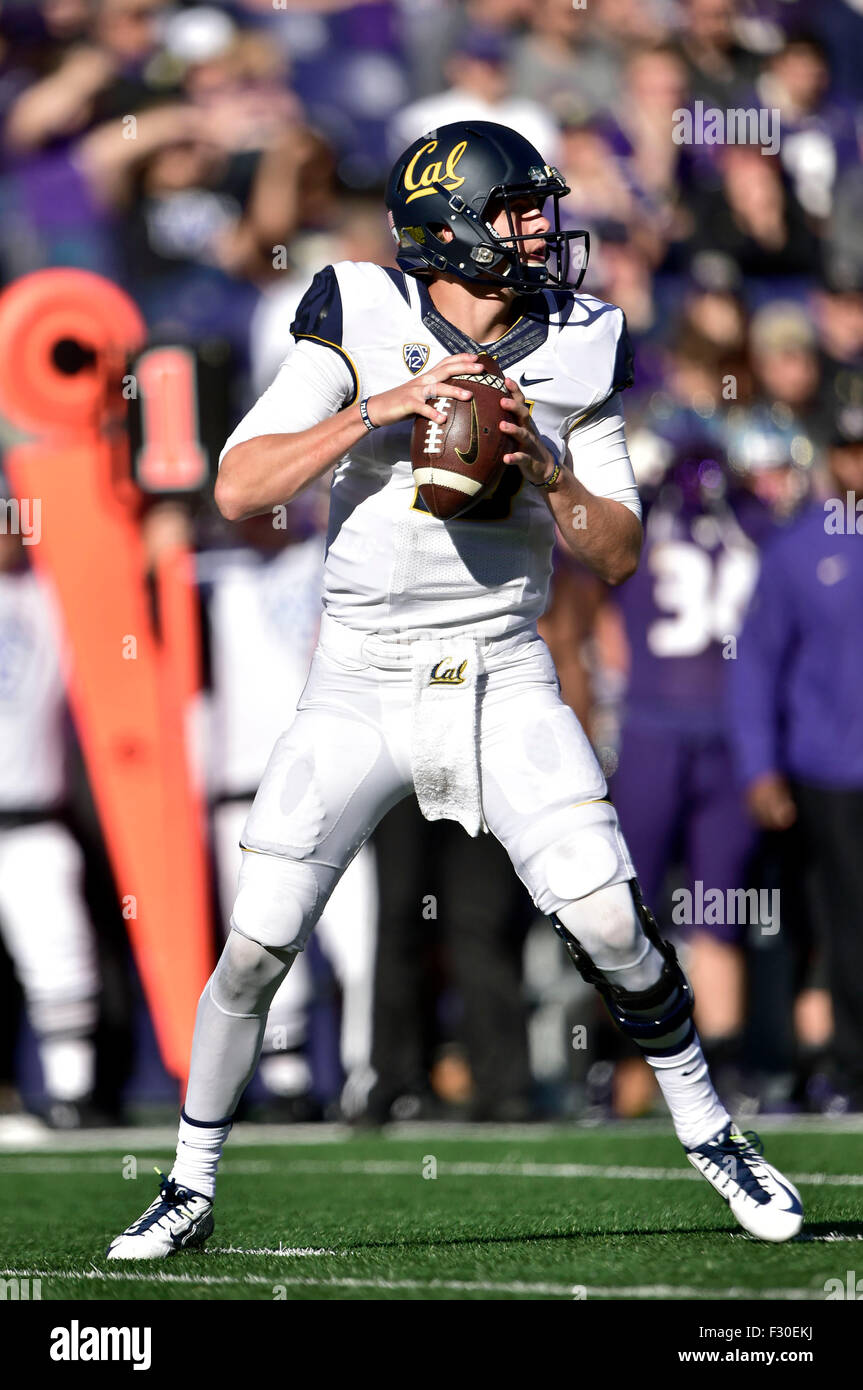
(40, 1164)
(284, 1251)
(666, 1291)
(402, 1168)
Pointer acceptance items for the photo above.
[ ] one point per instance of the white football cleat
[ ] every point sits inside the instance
(767, 1205)
(179, 1219)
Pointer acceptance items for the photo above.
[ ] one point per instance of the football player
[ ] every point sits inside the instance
(406, 595)
(44, 922)
(675, 790)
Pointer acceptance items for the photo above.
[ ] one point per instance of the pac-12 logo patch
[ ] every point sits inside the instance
(416, 355)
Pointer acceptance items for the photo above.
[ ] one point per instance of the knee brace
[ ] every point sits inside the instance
(279, 900)
(607, 927)
(246, 977)
(657, 1019)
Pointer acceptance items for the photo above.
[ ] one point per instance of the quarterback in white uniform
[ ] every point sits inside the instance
(429, 677)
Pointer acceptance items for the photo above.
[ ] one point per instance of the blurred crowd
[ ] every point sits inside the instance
(210, 159)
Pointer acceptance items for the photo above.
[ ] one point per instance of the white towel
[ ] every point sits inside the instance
(445, 736)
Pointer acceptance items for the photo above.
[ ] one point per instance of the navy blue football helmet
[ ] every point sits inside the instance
(460, 176)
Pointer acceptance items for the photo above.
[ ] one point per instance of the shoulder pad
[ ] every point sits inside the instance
(340, 304)
(343, 301)
(319, 312)
(593, 343)
(365, 285)
(342, 291)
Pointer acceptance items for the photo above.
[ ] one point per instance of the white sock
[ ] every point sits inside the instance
(199, 1148)
(696, 1110)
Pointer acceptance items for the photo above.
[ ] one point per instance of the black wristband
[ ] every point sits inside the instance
(552, 477)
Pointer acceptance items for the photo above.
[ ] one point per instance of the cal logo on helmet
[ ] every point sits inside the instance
(448, 177)
(422, 182)
(416, 355)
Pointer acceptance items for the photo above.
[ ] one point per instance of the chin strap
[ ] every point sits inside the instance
(657, 1019)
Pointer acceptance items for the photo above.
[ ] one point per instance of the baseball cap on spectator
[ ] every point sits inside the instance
(485, 45)
(782, 326)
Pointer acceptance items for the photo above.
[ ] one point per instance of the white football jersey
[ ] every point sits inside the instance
(361, 329)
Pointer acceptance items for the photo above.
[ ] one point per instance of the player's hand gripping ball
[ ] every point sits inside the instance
(459, 460)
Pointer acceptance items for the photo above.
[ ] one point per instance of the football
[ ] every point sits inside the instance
(459, 460)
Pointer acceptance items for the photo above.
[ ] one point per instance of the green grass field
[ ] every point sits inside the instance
(615, 1212)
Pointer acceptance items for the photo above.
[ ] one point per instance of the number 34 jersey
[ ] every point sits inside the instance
(685, 606)
(362, 329)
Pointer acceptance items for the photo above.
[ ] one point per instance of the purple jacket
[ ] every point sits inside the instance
(796, 689)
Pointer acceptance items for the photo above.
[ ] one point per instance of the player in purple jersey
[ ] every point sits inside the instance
(674, 788)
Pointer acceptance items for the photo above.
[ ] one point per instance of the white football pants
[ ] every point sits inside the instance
(347, 758)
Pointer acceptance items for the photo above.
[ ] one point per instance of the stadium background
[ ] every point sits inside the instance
(208, 160)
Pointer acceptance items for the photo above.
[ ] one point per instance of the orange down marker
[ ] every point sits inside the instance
(65, 339)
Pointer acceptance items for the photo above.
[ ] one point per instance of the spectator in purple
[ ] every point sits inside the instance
(656, 87)
(674, 790)
(721, 70)
(838, 306)
(818, 134)
(839, 25)
(51, 214)
(797, 718)
(557, 63)
(480, 89)
(753, 218)
(785, 360)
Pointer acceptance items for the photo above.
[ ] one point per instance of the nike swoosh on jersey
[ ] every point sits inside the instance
(473, 448)
(534, 380)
